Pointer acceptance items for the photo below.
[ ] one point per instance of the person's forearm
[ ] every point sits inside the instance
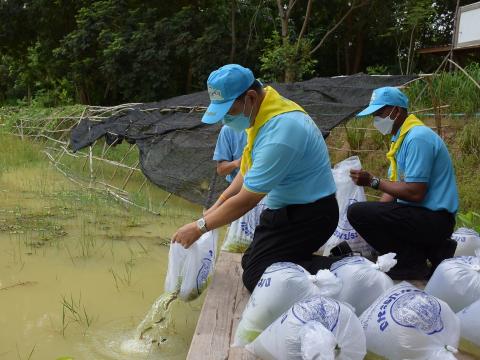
(226, 167)
(401, 190)
(232, 190)
(234, 187)
(387, 198)
(230, 210)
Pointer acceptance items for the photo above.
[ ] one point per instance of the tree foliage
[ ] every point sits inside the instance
(112, 51)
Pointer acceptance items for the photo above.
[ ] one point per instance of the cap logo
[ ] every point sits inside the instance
(215, 94)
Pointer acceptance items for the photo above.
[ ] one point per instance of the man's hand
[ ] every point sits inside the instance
(187, 235)
(361, 177)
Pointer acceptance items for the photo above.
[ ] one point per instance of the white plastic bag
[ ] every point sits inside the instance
(408, 323)
(281, 285)
(362, 280)
(347, 194)
(456, 281)
(189, 269)
(316, 328)
(467, 240)
(470, 329)
(240, 232)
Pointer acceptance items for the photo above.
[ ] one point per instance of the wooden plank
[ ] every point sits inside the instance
(212, 335)
(243, 296)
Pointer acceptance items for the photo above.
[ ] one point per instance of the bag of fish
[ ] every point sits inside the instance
(281, 285)
(190, 269)
(240, 232)
(347, 194)
(408, 323)
(456, 281)
(467, 240)
(318, 328)
(362, 280)
(470, 329)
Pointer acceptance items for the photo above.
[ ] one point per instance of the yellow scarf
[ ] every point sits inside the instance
(410, 122)
(272, 105)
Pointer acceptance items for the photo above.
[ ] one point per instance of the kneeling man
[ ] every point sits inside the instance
(416, 214)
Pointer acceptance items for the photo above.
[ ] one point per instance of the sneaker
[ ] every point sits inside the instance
(444, 251)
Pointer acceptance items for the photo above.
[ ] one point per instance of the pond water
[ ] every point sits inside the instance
(78, 271)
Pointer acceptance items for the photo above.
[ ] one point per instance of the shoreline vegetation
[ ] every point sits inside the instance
(449, 101)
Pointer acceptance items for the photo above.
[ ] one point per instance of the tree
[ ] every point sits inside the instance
(297, 50)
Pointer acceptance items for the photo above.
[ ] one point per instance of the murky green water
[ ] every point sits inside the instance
(78, 272)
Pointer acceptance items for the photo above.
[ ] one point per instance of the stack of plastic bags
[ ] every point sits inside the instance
(281, 286)
(362, 280)
(408, 323)
(347, 194)
(190, 269)
(470, 329)
(456, 281)
(467, 240)
(318, 328)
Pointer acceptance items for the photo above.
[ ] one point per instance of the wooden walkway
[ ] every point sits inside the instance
(226, 298)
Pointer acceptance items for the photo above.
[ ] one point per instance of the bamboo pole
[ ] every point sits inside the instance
(127, 179)
(143, 184)
(107, 190)
(466, 73)
(21, 129)
(435, 103)
(121, 160)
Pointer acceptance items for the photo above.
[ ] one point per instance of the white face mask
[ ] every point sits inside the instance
(384, 125)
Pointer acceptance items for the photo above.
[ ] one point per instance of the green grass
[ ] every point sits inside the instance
(17, 154)
(450, 88)
(469, 139)
(355, 133)
(28, 116)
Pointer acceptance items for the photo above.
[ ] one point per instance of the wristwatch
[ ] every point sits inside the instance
(202, 225)
(375, 183)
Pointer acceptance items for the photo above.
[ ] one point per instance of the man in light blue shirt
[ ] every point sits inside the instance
(286, 160)
(228, 152)
(291, 162)
(416, 214)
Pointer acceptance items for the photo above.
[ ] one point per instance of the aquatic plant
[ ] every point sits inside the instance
(73, 310)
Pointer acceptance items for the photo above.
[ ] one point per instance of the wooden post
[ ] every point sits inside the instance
(21, 128)
(90, 162)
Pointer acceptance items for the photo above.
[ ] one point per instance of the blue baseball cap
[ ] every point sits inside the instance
(224, 86)
(385, 96)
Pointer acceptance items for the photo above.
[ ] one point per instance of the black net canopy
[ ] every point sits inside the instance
(176, 149)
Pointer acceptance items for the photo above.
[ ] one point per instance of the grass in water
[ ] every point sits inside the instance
(29, 355)
(73, 311)
(123, 277)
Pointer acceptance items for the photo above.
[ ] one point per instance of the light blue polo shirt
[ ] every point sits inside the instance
(423, 157)
(290, 162)
(230, 144)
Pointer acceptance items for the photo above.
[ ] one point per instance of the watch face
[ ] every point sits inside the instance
(202, 225)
